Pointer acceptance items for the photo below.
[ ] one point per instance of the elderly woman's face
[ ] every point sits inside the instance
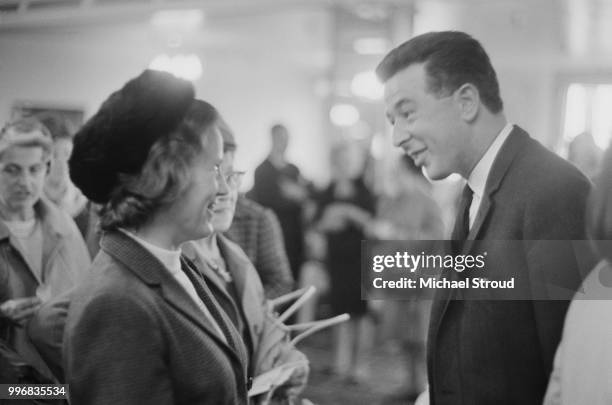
(225, 205)
(193, 212)
(22, 176)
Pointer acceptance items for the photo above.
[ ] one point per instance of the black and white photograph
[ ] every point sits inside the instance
(306, 202)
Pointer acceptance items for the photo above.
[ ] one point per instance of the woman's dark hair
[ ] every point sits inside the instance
(165, 174)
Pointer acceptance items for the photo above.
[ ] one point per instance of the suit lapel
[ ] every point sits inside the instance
(503, 161)
(212, 278)
(153, 273)
(238, 265)
(177, 297)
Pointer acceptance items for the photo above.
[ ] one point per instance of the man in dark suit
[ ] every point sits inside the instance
(443, 101)
(278, 185)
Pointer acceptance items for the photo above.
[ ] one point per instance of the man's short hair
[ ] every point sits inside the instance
(451, 59)
(26, 132)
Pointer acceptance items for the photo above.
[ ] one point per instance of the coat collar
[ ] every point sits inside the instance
(507, 154)
(53, 222)
(153, 273)
(243, 273)
(55, 231)
(210, 275)
(509, 151)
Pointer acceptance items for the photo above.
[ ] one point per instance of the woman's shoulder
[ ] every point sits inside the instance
(110, 279)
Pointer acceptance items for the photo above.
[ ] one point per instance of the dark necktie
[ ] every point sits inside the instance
(462, 223)
(206, 296)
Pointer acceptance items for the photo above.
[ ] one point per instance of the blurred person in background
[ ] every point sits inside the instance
(584, 153)
(314, 273)
(406, 211)
(345, 209)
(235, 281)
(145, 328)
(58, 187)
(582, 372)
(279, 186)
(60, 190)
(258, 232)
(42, 251)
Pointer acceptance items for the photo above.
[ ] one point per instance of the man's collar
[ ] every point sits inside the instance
(478, 177)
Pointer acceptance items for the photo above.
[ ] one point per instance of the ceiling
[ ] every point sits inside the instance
(579, 26)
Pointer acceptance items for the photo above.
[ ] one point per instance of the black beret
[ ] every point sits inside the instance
(117, 139)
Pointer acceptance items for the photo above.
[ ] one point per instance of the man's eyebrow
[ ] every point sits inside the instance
(401, 102)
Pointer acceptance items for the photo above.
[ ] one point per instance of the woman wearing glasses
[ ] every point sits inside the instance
(232, 277)
(145, 328)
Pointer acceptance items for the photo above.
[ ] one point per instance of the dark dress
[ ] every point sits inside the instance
(343, 258)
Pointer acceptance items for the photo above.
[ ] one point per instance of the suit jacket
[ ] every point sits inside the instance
(267, 191)
(500, 352)
(245, 305)
(248, 307)
(134, 336)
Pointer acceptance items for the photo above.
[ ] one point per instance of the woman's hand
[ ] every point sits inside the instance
(20, 310)
(298, 380)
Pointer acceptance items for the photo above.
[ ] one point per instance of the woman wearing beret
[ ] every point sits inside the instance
(145, 328)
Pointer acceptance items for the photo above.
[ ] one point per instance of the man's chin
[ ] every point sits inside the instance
(433, 174)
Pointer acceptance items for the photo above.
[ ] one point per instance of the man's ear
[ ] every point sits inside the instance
(467, 98)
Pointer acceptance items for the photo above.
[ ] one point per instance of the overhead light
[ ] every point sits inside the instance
(372, 12)
(344, 115)
(371, 46)
(188, 67)
(177, 19)
(367, 85)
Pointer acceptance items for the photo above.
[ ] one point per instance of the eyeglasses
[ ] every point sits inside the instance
(234, 178)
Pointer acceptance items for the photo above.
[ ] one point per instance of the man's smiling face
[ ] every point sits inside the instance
(427, 126)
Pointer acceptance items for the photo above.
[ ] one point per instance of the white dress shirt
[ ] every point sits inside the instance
(479, 175)
(171, 259)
